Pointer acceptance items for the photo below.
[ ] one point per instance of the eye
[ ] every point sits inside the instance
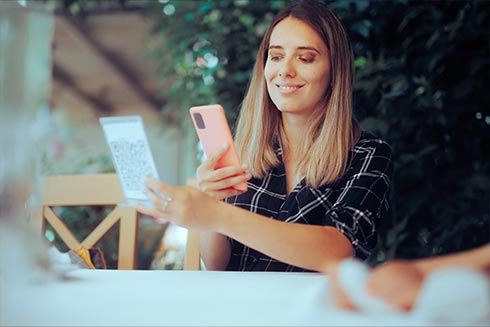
(307, 59)
(275, 57)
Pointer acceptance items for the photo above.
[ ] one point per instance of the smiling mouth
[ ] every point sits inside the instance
(289, 87)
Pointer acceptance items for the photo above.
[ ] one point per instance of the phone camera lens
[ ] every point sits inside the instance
(199, 121)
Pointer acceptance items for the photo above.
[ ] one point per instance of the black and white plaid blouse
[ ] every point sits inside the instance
(354, 205)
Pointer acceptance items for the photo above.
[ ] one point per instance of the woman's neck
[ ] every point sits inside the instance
(295, 130)
(294, 136)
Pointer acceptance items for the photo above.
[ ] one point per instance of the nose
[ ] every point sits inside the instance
(287, 68)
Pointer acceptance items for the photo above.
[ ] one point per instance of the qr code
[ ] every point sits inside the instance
(133, 163)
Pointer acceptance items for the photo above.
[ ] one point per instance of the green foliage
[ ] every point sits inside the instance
(208, 48)
(422, 79)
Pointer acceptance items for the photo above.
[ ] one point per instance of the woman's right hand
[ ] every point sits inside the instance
(218, 183)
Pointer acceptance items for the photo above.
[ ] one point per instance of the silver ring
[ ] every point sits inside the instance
(164, 206)
(167, 200)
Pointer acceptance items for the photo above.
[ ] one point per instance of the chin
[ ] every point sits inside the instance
(287, 107)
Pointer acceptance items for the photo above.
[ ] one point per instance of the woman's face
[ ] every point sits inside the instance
(297, 70)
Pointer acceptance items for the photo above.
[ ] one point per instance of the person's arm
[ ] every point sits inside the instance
(215, 247)
(399, 282)
(300, 245)
(215, 250)
(306, 246)
(478, 259)
(364, 200)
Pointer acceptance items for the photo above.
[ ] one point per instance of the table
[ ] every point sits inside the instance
(183, 298)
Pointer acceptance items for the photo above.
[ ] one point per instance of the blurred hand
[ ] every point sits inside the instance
(186, 206)
(397, 282)
(340, 297)
(218, 183)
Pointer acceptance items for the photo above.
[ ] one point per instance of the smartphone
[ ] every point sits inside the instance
(213, 130)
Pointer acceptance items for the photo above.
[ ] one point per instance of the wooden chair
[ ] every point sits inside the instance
(89, 190)
(192, 259)
(100, 189)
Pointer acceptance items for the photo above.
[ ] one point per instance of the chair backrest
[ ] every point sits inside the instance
(100, 189)
(89, 190)
(192, 260)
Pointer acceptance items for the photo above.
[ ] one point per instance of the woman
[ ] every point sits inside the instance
(317, 185)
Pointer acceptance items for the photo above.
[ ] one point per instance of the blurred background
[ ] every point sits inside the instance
(422, 77)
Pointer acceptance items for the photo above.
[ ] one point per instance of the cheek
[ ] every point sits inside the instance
(268, 72)
(321, 80)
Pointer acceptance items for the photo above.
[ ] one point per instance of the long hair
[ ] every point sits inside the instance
(332, 132)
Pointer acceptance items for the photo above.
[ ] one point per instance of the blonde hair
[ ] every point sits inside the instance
(332, 132)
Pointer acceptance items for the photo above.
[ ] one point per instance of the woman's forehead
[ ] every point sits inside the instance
(293, 32)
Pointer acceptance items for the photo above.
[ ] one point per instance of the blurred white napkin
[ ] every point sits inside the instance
(455, 296)
(452, 296)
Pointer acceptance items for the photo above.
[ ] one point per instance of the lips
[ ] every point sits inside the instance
(285, 88)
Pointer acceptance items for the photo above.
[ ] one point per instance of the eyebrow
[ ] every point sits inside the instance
(299, 48)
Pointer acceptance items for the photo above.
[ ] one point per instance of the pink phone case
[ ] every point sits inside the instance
(213, 131)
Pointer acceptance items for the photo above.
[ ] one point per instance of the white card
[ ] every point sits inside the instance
(131, 155)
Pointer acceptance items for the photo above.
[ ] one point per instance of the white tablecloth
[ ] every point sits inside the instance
(183, 298)
(179, 298)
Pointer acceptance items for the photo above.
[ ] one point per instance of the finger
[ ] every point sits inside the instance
(160, 188)
(211, 161)
(160, 202)
(150, 212)
(225, 183)
(342, 300)
(401, 296)
(223, 194)
(403, 300)
(223, 173)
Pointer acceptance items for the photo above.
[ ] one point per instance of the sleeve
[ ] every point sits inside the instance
(364, 196)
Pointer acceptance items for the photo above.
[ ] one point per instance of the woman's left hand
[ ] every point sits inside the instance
(184, 205)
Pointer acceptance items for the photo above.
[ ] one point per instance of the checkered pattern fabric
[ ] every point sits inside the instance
(355, 204)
